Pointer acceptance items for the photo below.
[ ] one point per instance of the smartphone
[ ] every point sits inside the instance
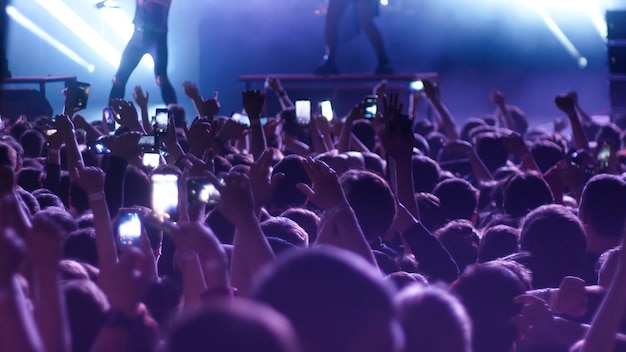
(129, 227)
(98, 147)
(50, 131)
(201, 190)
(371, 106)
(109, 117)
(164, 195)
(603, 156)
(303, 112)
(161, 118)
(241, 118)
(151, 160)
(326, 109)
(78, 94)
(147, 144)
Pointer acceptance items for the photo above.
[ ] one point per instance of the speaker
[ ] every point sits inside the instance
(616, 24)
(29, 102)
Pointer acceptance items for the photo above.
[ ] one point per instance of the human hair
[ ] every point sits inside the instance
(18, 128)
(524, 192)
(331, 296)
(374, 163)
(237, 326)
(487, 292)
(80, 245)
(72, 270)
(546, 154)
(425, 173)
(29, 178)
(498, 241)
(29, 200)
(163, 300)
(433, 320)
(47, 199)
(137, 188)
(287, 195)
(59, 217)
(458, 198)
(372, 200)
(603, 205)
(469, 125)
(492, 151)
(32, 142)
(307, 219)
(285, 229)
(8, 156)
(556, 241)
(86, 312)
(461, 240)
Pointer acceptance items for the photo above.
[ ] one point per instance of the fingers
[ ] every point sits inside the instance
(528, 299)
(306, 190)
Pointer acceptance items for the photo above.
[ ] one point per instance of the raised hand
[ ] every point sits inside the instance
(231, 130)
(566, 104)
(274, 84)
(127, 115)
(253, 101)
(431, 89)
(90, 179)
(64, 126)
(191, 90)
(124, 145)
(199, 136)
(571, 298)
(515, 144)
(126, 284)
(141, 98)
(326, 192)
(262, 183)
(498, 98)
(237, 202)
(536, 323)
(392, 106)
(211, 107)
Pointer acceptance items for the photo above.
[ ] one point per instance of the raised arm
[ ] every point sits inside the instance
(327, 194)
(568, 106)
(274, 84)
(355, 113)
(45, 250)
(91, 180)
(142, 99)
(251, 250)
(253, 101)
(18, 331)
(481, 172)
(431, 88)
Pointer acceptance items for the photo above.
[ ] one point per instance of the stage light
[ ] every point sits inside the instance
(18, 17)
(81, 29)
(567, 44)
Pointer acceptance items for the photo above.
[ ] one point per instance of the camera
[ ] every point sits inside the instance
(129, 227)
(201, 190)
(371, 106)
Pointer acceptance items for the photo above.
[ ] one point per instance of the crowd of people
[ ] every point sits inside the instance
(391, 233)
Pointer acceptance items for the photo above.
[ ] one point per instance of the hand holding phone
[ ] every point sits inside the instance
(77, 95)
(371, 106)
(161, 120)
(129, 227)
(603, 155)
(98, 147)
(201, 190)
(303, 112)
(147, 144)
(326, 110)
(164, 195)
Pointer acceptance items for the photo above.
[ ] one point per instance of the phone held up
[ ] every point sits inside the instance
(303, 111)
(161, 119)
(77, 94)
(371, 106)
(201, 190)
(129, 227)
(164, 195)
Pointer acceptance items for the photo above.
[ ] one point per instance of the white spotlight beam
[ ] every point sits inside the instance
(18, 17)
(558, 33)
(86, 33)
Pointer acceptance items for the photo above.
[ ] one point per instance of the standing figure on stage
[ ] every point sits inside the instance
(150, 37)
(366, 10)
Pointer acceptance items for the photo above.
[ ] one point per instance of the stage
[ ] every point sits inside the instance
(474, 47)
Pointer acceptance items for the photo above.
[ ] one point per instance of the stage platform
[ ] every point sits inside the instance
(344, 90)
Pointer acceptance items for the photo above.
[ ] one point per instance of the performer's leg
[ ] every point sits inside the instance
(131, 56)
(366, 10)
(336, 8)
(159, 54)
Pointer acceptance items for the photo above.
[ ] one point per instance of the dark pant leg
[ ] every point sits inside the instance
(134, 51)
(159, 54)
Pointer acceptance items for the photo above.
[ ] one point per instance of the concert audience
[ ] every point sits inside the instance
(383, 234)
